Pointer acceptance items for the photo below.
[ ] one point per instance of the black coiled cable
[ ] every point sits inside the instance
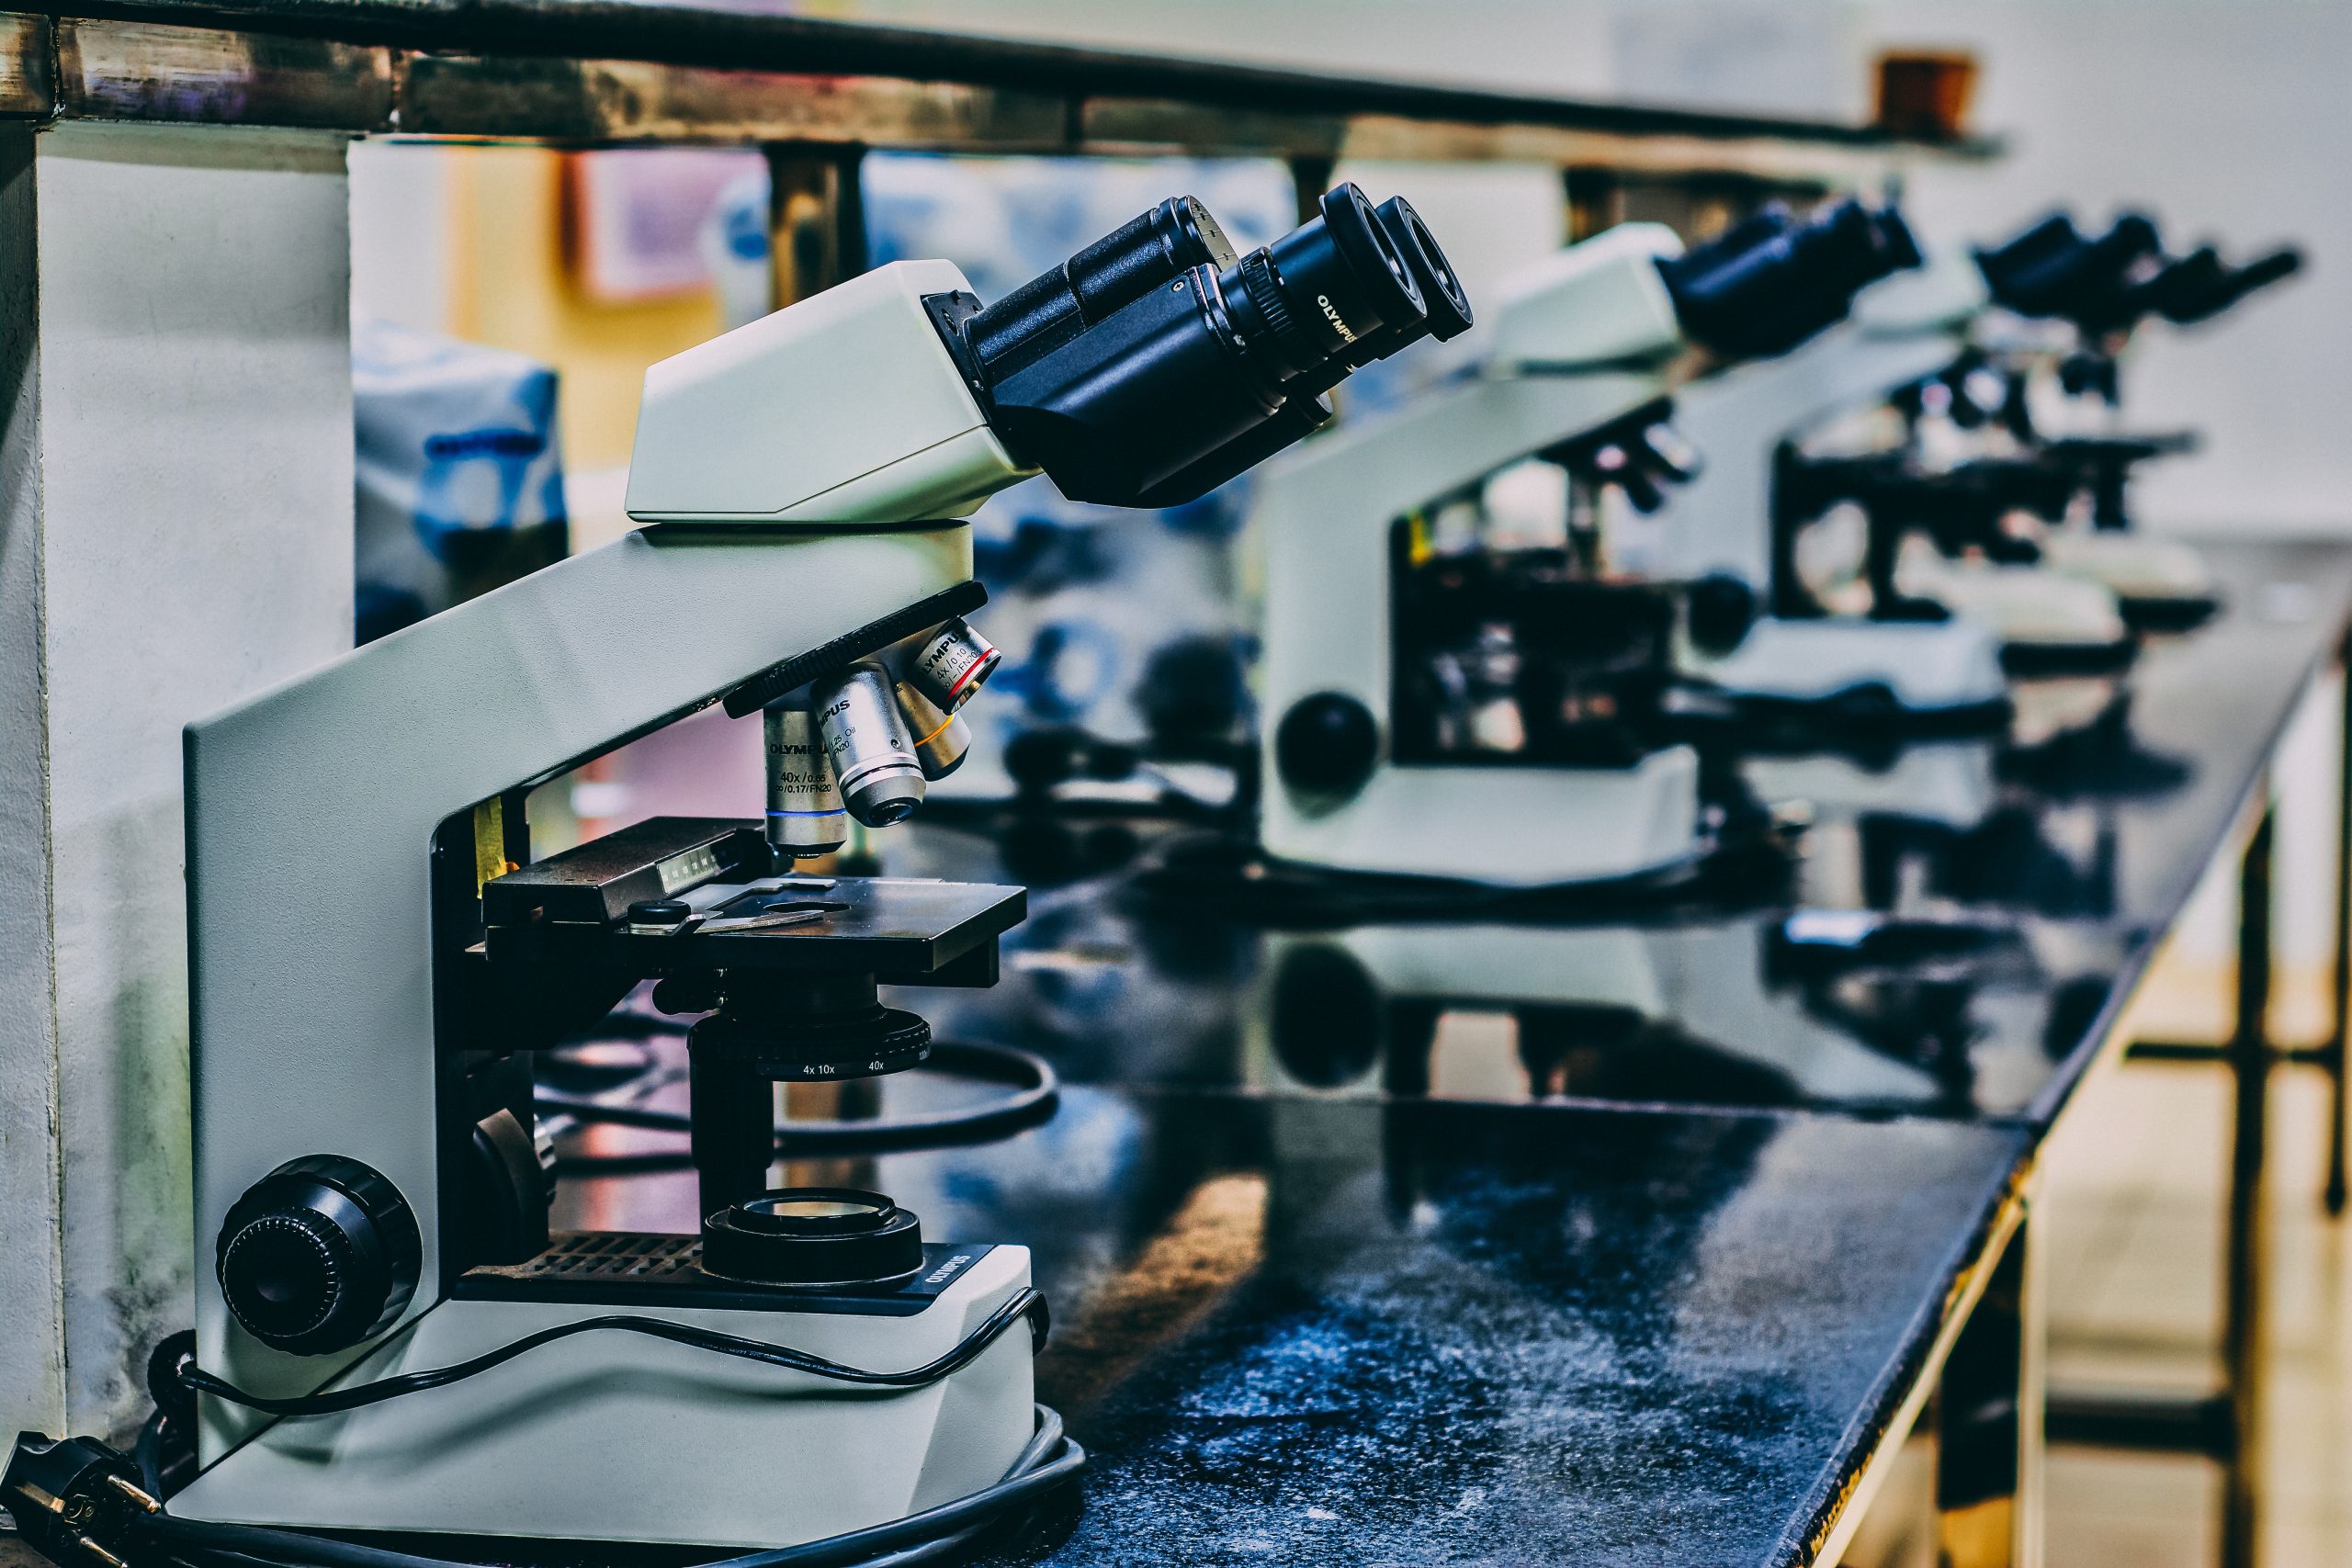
(1049, 1459)
(1036, 1092)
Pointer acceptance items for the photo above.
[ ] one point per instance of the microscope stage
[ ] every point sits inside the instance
(576, 907)
(659, 1272)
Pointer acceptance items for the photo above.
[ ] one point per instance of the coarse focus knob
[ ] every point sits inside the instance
(1327, 744)
(320, 1254)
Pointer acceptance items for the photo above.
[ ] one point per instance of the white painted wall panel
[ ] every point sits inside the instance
(193, 533)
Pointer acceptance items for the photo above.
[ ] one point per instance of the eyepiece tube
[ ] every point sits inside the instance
(2201, 285)
(1441, 292)
(872, 755)
(2010, 267)
(806, 817)
(1176, 386)
(1141, 255)
(2054, 270)
(1770, 282)
(1342, 276)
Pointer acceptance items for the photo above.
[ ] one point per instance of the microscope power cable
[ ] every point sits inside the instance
(1024, 1303)
(1051, 1459)
(1037, 1090)
(1048, 1458)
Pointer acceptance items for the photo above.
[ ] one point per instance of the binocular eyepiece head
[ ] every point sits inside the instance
(2200, 285)
(2054, 270)
(1158, 363)
(2111, 282)
(1773, 280)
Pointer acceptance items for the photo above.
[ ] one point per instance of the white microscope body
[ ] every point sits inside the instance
(1596, 336)
(311, 810)
(375, 950)
(1588, 336)
(1903, 329)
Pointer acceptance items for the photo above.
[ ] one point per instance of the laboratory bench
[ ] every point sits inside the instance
(1649, 1237)
(1298, 1330)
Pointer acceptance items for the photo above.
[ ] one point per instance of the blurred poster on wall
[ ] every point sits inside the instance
(634, 217)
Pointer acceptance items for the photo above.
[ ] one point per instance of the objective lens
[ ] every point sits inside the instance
(953, 665)
(857, 720)
(942, 740)
(805, 814)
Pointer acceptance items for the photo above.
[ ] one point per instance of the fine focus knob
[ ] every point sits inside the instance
(1719, 609)
(320, 1254)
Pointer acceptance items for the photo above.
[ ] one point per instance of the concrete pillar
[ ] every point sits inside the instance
(175, 533)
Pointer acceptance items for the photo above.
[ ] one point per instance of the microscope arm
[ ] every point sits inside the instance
(313, 807)
(1323, 517)
(1739, 417)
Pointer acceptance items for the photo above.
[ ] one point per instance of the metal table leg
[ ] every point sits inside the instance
(2227, 1424)
(1988, 1446)
(2340, 1016)
(2243, 1333)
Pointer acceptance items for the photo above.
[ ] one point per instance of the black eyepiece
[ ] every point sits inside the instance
(1344, 273)
(2200, 286)
(2054, 271)
(1771, 281)
(1442, 291)
(1154, 364)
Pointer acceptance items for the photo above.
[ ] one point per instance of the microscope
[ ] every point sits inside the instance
(2044, 383)
(394, 1340)
(1917, 415)
(1981, 508)
(1775, 652)
(1439, 698)
(1862, 1009)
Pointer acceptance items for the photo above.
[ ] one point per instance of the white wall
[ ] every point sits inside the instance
(2222, 118)
(175, 534)
(401, 240)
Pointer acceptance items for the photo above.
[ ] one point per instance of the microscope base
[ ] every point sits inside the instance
(2160, 584)
(1944, 672)
(617, 1437)
(1518, 825)
(1948, 783)
(2049, 622)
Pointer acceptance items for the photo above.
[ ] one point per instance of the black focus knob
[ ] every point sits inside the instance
(1327, 744)
(1719, 608)
(320, 1254)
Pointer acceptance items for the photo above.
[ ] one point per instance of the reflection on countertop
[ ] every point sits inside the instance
(1991, 899)
(1330, 1331)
